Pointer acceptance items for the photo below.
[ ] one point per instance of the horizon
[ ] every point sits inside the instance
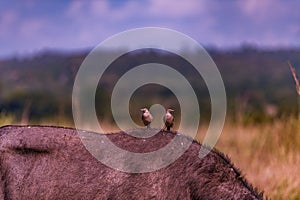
(82, 51)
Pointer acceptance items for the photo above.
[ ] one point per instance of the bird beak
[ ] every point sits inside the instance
(171, 110)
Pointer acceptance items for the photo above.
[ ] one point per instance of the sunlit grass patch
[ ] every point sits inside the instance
(6, 119)
(268, 154)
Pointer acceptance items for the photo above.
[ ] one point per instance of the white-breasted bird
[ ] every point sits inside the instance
(146, 117)
(168, 119)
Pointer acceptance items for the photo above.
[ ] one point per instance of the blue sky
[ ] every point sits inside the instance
(30, 26)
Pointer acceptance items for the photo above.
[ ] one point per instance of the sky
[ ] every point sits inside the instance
(31, 26)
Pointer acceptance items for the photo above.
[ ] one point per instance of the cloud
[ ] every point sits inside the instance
(31, 28)
(79, 24)
(74, 8)
(8, 19)
(96, 10)
(180, 9)
(261, 11)
(135, 11)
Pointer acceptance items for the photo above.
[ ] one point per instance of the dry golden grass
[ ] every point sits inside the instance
(267, 154)
(6, 119)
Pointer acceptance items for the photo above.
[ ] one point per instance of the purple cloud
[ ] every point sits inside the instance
(28, 26)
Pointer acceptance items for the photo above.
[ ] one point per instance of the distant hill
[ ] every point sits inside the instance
(258, 83)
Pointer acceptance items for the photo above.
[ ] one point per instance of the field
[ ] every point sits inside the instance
(268, 154)
(262, 131)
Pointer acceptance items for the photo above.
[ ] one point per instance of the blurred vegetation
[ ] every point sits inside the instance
(261, 133)
(258, 83)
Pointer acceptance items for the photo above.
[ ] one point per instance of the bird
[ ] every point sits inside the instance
(146, 117)
(168, 119)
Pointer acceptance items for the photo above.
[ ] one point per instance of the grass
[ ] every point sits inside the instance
(6, 119)
(267, 154)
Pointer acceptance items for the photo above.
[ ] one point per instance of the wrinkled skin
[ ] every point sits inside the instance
(52, 163)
